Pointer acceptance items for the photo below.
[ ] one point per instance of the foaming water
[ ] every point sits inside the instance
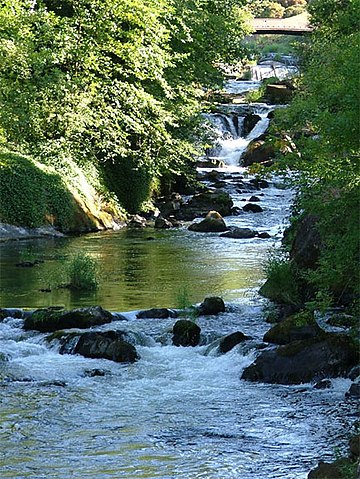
(176, 413)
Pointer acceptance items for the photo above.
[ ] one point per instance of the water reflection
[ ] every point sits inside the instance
(135, 273)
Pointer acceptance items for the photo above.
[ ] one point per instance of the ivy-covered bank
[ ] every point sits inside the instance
(100, 101)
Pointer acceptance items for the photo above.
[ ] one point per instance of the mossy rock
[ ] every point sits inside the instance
(294, 328)
(331, 355)
(48, 320)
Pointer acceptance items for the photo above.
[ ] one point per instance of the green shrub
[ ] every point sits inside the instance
(82, 272)
(282, 284)
(31, 194)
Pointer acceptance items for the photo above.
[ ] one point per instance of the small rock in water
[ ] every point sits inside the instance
(324, 384)
(212, 305)
(239, 233)
(186, 333)
(253, 208)
(264, 235)
(254, 198)
(91, 373)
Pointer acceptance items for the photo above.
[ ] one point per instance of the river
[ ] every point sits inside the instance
(179, 413)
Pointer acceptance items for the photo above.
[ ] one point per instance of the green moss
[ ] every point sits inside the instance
(281, 285)
(33, 195)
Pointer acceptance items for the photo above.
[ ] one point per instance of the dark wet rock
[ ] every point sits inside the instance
(278, 94)
(213, 223)
(342, 320)
(323, 384)
(354, 390)
(252, 208)
(202, 203)
(259, 183)
(48, 320)
(294, 328)
(326, 470)
(213, 175)
(254, 198)
(258, 151)
(92, 373)
(137, 221)
(212, 305)
(157, 313)
(162, 223)
(306, 245)
(264, 235)
(354, 372)
(299, 362)
(236, 211)
(186, 333)
(239, 233)
(11, 313)
(354, 446)
(250, 120)
(169, 205)
(102, 345)
(29, 264)
(230, 341)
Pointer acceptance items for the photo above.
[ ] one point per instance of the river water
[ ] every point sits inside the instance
(177, 412)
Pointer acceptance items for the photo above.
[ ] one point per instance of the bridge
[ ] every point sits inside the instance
(297, 25)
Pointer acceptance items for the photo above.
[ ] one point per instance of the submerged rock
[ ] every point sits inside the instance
(186, 333)
(213, 223)
(212, 305)
(158, 313)
(299, 362)
(239, 233)
(48, 320)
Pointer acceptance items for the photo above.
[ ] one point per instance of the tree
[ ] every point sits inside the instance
(112, 83)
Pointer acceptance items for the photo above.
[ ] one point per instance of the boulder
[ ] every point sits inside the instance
(264, 235)
(201, 203)
(326, 470)
(293, 328)
(252, 208)
(278, 94)
(213, 223)
(250, 120)
(48, 320)
(231, 340)
(106, 346)
(323, 384)
(258, 151)
(162, 223)
(254, 199)
(354, 445)
(354, 390)
(306, 245)
(212, 305)
(259, 183)
(186, 333)
(158, 313)
(137, 221)
(239, 233)
(303, 361)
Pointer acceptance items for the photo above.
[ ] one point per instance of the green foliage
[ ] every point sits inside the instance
(114, 82)
(82, 272)
(281, 285)
(324, 122)
(31, 194)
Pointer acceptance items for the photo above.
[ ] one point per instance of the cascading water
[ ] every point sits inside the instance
(177, 413)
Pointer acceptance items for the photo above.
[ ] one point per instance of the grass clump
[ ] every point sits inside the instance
(82, 272)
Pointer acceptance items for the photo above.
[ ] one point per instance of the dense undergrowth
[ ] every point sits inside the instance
(323, 124)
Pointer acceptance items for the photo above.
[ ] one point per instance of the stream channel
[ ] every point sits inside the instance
(178, 412)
